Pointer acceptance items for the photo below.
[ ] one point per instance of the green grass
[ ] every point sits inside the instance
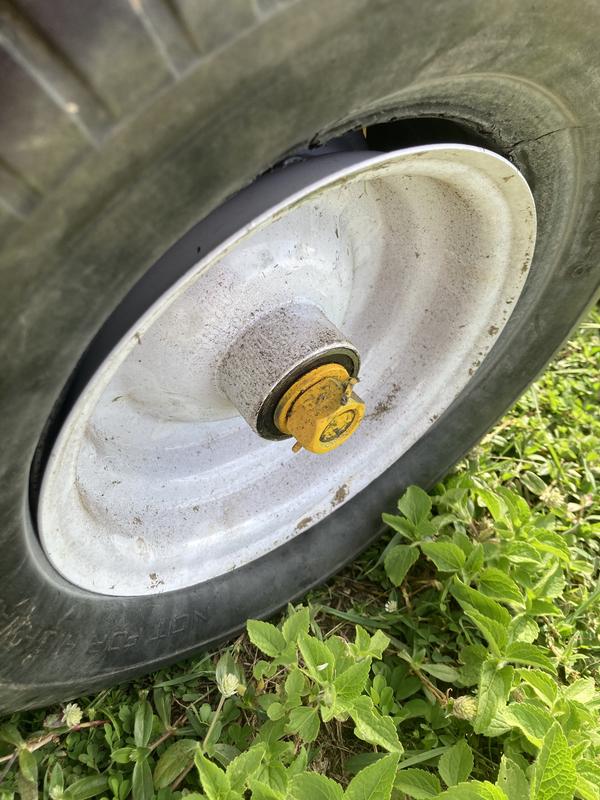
(459, 658)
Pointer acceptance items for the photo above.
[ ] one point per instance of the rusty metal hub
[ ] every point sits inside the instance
(290, 373)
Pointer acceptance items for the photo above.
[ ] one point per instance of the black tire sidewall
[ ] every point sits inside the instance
(272, 89)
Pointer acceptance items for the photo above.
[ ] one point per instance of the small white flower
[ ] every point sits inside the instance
(321, 667)
(465, 707)
(552, 497)
(72, 715)
(229, 684)
(391, 606)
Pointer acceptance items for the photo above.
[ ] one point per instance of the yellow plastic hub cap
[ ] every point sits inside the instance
(320, 410)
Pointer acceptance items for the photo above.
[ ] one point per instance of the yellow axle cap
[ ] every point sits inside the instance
(320, 410)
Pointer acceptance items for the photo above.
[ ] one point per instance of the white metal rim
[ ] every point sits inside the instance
(155, 482)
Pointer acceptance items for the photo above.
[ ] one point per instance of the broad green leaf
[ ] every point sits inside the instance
(475, 559)
(275, 710)
(362, 642)
(530, 654)
(588, 779)
(299, 764)
(378, 645)
(407, 687)
(288, 655)
(455, 764)
(351, 683)
(215, 782)
(374, 782)
(472, 657)
(519, 552)
(272, 771)
(512, 780)
(550, 542)
(313, 786)
(245, 766)
(56, 782)
(270, 733)
(295, 683)
(499, 586)
(523, 629)
(361, 760)
(262, 791)
(533, 482)
(318, 658)
(188, 796)
(415, 504)
(374, 728)
(26, 789)
(264, 669)
(173, 761)
(544, 608)
(494, 504)
(444, 672)
(398, 561)
(529, 718)
(485, 606)
(417, 783)
(494, 632)
(446, 556)
(551, 584)
(9, 733)
(115, 786)
(554, 775)
(463, 541)
(142, 726)
(344, 655)
(28, 765)
(366, 646)
(474, 790)
(298, 622)
(518, 510)
(494, 687)
(585, 789)
(304, 721)
(590, 769)
(162, 704)
(498, 726)
(266, 637)
(440, 521)
(142, 787)
(582, 691)
(223, 753)
(87, 787)
(542, 684)
(400, 525)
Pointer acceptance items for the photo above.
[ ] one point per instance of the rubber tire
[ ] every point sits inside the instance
(142, 125)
